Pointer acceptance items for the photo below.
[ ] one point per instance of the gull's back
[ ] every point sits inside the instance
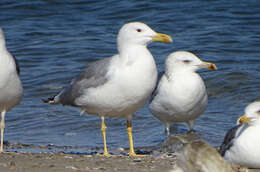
(93, 76)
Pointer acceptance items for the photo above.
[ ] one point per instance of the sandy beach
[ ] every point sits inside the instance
(161, 158)
(59, 162)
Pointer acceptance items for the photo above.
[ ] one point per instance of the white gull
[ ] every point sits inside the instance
(119, 85)
(11, 89)
(181, 94)
(241, 143)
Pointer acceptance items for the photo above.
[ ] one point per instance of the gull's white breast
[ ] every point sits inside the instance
(180, 98)
(131, 82)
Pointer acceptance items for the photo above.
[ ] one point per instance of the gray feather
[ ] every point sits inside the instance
(155, 89)
(94, 75)
(228, 140)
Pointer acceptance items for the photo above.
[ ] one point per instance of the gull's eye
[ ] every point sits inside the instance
(186, 61)
(139, 30)
(258, 112)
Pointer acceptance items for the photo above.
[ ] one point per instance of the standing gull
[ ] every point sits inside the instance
(119, 85)
(11, 89)
(241, 143)
(181, 94)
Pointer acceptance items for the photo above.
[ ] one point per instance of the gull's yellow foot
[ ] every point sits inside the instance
(105, 154)
(103, 130)
(2, 126)
(130, 137)
(133, 154)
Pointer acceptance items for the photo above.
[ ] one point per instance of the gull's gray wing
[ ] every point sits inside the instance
(94, 75)
(228, 140)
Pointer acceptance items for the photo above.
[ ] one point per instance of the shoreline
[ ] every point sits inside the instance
(59, 162)
(51, 158)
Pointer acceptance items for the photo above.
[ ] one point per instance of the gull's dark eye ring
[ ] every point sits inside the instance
(139, 30)
(186, 61)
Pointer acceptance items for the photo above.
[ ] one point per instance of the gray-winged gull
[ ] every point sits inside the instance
(181, 94)
(241, 145)
(11, 89)
(119, 85)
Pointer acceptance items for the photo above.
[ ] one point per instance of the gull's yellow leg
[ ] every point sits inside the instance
(130, 137)
(103, 130)
(2, 126)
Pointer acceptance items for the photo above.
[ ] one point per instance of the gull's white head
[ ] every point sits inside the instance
(139, 34)
(252, 113)
(185, 61)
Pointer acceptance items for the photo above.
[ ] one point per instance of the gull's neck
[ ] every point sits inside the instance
(2, 46)
(136, 51)
(2, 41)
(176, 71)
(255, 122)
(3, 50)
(5, 56)
(129, 46)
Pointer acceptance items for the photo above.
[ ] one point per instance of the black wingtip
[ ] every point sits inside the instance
(228, 140)
(49, 100)
(17, 65)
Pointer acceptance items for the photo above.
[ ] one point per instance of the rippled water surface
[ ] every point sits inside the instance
(53, 40)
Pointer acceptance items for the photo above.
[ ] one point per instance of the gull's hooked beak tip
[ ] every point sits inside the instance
(243, 119)
(160, 37)
(210, 66)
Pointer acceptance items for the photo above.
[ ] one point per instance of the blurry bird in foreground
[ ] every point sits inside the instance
(199, 156)
(241, 145)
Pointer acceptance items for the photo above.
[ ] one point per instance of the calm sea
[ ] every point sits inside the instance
(53, 40)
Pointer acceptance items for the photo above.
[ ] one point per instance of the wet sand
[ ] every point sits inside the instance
(60, 162)
(161, 158)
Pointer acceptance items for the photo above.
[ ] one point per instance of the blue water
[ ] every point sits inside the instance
(53, 40)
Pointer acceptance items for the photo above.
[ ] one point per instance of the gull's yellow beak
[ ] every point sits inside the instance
(243, 119)
(210, 66)
(160, 37)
